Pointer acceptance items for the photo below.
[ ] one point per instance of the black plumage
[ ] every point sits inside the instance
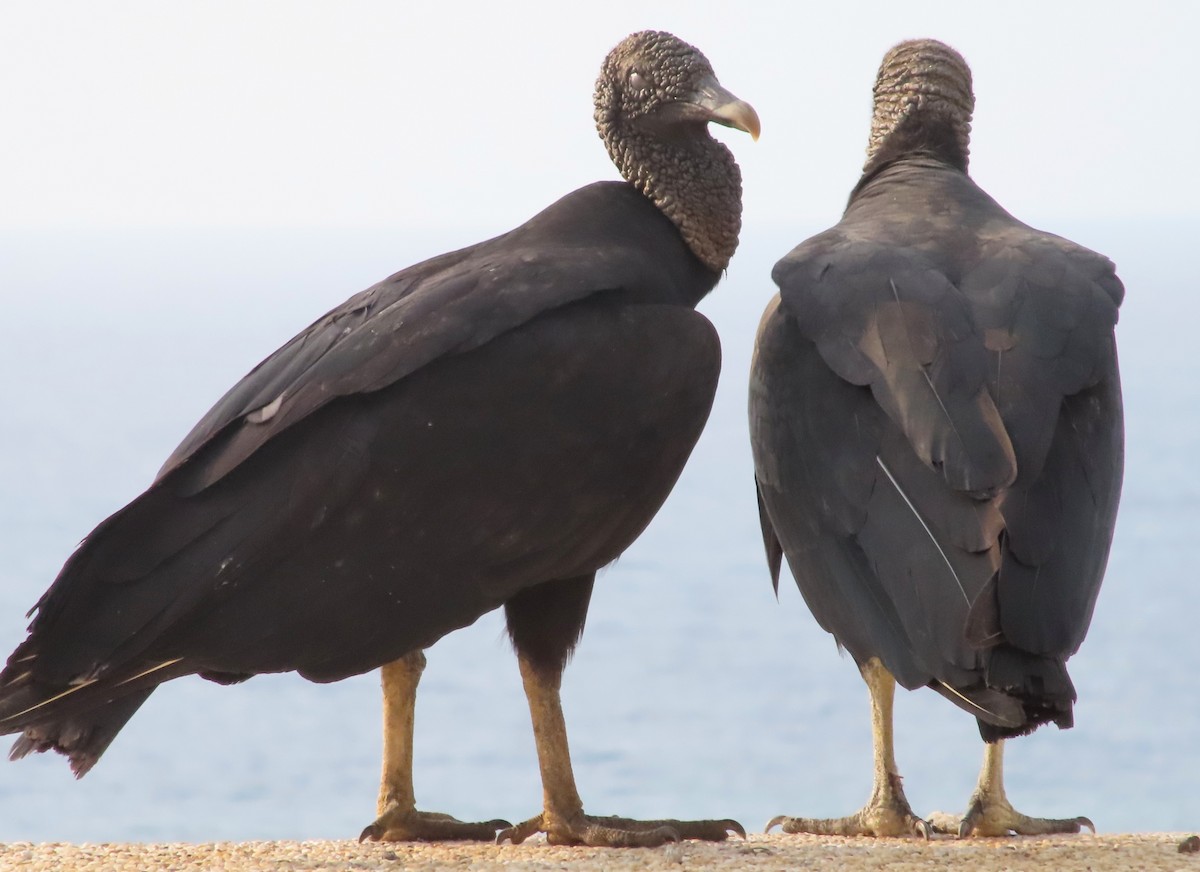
(486, 428)
(935, 413)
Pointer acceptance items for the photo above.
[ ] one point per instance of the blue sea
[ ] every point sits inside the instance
(696, 692)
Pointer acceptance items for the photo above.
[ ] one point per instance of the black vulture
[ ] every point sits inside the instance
(935, 414)
(486, 428)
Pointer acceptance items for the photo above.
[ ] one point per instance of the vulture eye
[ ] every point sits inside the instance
(637, 82)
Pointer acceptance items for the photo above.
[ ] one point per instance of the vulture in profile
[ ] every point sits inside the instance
(935, 414)
(487, 428)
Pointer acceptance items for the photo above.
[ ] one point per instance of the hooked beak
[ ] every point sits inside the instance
(722, 107)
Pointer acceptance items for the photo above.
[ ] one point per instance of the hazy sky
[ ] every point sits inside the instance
(402, 114)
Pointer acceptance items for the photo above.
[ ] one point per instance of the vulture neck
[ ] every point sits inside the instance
(918, 135)
(925, 133)
(694, 181)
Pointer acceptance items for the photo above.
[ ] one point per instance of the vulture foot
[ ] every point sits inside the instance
(999, 818)
(618, 832)
(874, 820)
(398, 824)
(887, 813)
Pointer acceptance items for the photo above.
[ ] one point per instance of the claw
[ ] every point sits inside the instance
(372, 832)
(520, 832)
(970, 819)
(922, 828)
(774, 822)
(1086, 822)
(732, 826)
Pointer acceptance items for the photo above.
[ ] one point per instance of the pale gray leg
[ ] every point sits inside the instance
(887, 812)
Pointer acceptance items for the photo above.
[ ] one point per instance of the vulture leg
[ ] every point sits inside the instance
(545, 623)
(399, 820)
(990, 813)
(887, 813)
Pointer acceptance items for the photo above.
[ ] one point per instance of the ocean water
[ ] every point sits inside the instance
(695, 692)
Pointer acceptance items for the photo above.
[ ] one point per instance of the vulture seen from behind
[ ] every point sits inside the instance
(487, 428)
(935, 414)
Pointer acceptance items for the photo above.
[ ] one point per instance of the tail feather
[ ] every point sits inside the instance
(1018, 693)
(82, 737)
(80, 720)
(989, 706)
(1040, 683)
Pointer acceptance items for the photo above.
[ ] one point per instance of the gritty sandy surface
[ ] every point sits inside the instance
(765, 852)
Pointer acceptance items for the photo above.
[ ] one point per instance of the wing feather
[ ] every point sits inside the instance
(882, 317)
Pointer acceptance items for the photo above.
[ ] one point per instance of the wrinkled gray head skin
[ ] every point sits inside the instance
(654, 98)
(642, 73)
(922, 76)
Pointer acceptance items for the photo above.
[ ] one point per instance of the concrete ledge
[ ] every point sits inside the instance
(1156, 851)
